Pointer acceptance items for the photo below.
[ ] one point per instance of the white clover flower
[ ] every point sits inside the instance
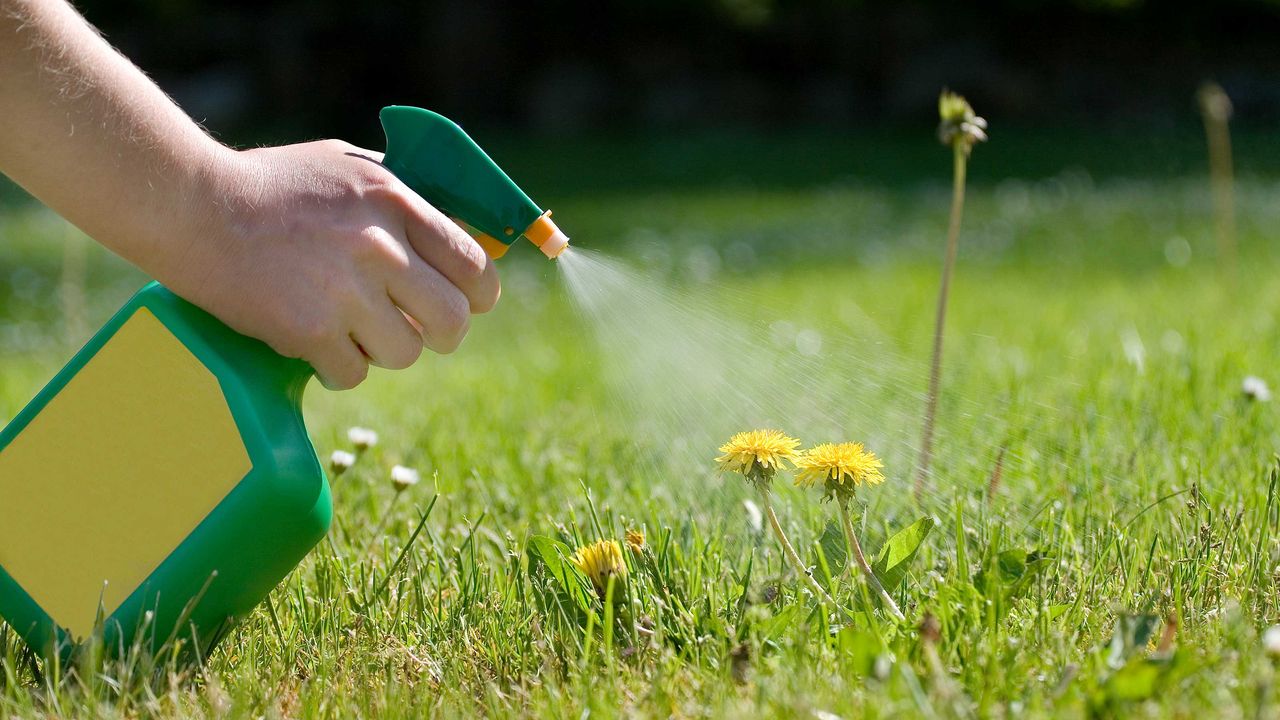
(362, 438)
(403, 478)
(341, 461)
(1271, 641)
(1255, 388)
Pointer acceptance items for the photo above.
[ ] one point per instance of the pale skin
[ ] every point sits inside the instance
(314, 248)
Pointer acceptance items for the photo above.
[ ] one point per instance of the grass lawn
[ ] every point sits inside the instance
(1103, 508)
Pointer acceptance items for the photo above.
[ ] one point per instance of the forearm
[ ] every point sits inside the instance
(316, 249)
(86, 132)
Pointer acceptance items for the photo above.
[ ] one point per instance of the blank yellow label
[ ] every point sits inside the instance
(115, 473)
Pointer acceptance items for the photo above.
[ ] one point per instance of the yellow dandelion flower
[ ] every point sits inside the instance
(635, 540)
(757, 454)
(599, 561)
(839, 467)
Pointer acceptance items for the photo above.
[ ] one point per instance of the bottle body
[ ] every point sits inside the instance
(159, 486)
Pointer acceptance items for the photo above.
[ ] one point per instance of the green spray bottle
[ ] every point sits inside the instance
(163, 482)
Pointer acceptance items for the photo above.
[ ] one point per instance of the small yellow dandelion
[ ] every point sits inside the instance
(599, 561)
(635, 540)
(839, 467)
(757, 454)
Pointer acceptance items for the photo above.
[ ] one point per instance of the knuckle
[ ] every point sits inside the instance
(453, 323)
(487, 298)
(404, 355)
(342, 376)
(350, 376)
(472, 261)
(380, 183)
(314, 331)
(303, 335)
(374, 245)
(359, 373)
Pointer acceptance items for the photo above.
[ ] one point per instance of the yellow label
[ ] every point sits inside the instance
(115, 473)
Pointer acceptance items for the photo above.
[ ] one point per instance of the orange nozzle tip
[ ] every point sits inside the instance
(556, 244)
(549, 238)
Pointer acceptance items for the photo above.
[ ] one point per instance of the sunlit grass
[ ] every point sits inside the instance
(1123, 560)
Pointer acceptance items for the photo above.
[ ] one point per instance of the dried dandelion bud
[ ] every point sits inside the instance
(930, 629)
(958, 123)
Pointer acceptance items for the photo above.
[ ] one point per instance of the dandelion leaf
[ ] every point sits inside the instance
(1141, 678)
(860, 648)
(1135, 681)
(572, 590)
(1131, 635)
(900, 550)
(773, 628)
(833, 546)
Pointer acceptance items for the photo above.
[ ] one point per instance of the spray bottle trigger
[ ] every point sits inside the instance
(491, 245)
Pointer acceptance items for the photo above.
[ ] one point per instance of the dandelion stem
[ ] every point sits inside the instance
(855, 547)
(792, 556)
(1215, 109)
(961, 156)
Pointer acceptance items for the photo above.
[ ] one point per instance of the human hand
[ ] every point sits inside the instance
(322, 253)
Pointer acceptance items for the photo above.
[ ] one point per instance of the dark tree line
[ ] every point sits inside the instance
(257, 70)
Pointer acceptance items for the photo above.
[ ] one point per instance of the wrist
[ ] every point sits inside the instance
(204, 217)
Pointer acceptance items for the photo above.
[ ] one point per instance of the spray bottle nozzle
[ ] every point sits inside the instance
(437, 160)
(549, 238)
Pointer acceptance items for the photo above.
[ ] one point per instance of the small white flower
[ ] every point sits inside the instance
(1271, 641)
(341, 461)
(362, 438)
(403, 478)
(1255, 388)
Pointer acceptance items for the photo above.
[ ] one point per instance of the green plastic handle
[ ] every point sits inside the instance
(440, 162)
